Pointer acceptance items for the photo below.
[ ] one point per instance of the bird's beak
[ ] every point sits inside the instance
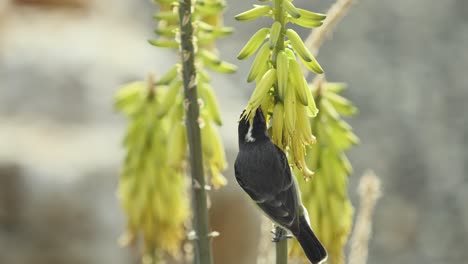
(259, 110)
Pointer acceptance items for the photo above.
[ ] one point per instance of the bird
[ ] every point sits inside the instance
(262, 171)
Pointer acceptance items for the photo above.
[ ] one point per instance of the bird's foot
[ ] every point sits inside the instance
(279, 234)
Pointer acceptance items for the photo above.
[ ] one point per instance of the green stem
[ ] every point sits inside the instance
(282, 245)
(200, 210)
(279, 16)
(281, 248)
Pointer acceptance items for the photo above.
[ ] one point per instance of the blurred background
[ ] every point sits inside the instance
(62, 60)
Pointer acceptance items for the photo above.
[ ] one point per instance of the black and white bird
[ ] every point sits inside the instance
(263, 172)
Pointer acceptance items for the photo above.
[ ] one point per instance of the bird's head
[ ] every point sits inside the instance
(252, 129)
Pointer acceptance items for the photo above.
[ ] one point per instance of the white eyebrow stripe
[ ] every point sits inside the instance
(248, 136)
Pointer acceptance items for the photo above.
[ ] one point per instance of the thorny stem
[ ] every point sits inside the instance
(282, 245)
(200, 210)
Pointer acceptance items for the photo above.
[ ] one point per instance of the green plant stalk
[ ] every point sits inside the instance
(282, 245)
(200, 209)
(279, 16)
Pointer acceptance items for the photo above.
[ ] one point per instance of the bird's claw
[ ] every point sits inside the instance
(279, 234)
(278, 239)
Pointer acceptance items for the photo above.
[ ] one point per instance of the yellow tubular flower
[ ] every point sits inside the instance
(207, 94)
(297, 80)
(253, 44)
(260, 60)
(327, 200)
(253, 13)
(277, 134)
(282, 68)
(303, 125)
(177, 143)
(290, 110)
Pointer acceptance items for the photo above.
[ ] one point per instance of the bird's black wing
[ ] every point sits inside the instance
(248, 188)
(283, 206)
(276, 195)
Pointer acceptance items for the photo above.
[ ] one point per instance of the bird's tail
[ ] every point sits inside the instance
(312, 247)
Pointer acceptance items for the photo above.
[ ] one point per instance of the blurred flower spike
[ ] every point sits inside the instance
(330, 210)
(153, 188)
(281, 88)
(208, 27)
